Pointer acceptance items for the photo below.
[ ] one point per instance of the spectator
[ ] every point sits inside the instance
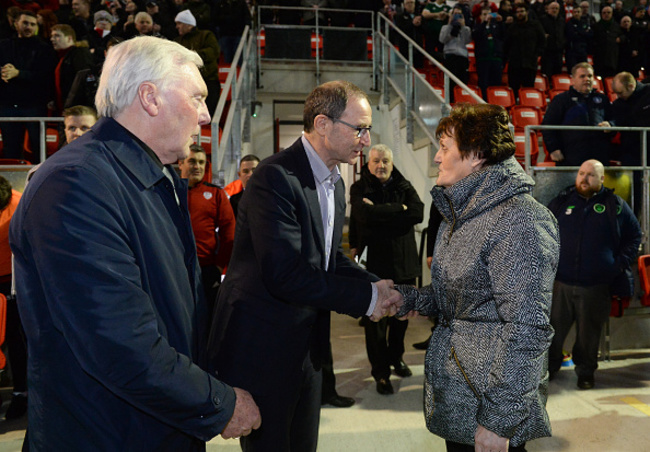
(506, 12)
(491, 278)
(607, 37)
(78, 120)
(629, 50)
(82, 22)
(205, 44)
(163, 21)
(581, 105)
(14, 334)
(434, 15)
(27, 68)
(554, 24)
(631, 109)
(122, 337)
(524, 43)
(46, 20)
(247, 165)
(619, 11)
(231, 18)
(455, 36)
(8, 22)
(100, 35)
(410, 22)
(579, 35)
(213, 223)
(389, 10)
(385, 209)
(488, 37)
(72, 59)
(478, 8)
(600, 239)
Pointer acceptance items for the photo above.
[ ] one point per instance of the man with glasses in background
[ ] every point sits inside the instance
(270, 332)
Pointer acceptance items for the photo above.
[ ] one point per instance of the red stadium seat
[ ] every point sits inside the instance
(523, 116)
(644, 278)
(541, 82)
(561, 81)
(520, 147)
(532, 97)
(461, 95)
(501, 95)
(554, 92)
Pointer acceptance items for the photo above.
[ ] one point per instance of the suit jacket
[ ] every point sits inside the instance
(110, 298)
(273, 307)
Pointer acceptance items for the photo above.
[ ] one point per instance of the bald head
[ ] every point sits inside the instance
(623, 85)
(590, 178)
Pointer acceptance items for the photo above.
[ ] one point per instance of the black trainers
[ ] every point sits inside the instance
(17, 407)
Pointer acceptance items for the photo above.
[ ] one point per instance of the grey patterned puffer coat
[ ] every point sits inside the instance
(492, 277)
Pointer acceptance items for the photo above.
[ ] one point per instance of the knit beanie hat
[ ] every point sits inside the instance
(185, 17)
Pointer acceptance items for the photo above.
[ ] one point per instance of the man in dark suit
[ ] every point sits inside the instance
(287, 272)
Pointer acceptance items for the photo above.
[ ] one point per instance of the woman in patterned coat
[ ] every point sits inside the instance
(492, 277)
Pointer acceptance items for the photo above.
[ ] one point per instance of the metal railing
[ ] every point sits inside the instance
(240, 86)
(317, 27)
(533, 170)
(42, 120)
(424, 104)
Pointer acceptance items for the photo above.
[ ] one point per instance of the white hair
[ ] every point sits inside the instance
(135, 61)
(382, 149)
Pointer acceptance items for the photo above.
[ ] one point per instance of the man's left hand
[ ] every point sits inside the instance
(9, 71)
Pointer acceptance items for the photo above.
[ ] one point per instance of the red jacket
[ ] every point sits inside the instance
(213, 223)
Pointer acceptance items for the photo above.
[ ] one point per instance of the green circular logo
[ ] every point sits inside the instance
(599, 208)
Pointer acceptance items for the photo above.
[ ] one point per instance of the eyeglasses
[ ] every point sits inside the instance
(361, 131)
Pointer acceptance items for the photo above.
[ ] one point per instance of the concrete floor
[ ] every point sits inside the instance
(614, 416)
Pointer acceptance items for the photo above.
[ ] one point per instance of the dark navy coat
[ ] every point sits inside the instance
(108, 291)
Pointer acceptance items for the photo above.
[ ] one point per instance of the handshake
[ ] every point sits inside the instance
(388, 300)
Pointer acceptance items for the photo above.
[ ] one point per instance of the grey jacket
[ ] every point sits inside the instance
(492, 277)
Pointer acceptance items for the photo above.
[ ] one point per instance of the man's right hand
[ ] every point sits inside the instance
(388, 300)
(245, 418)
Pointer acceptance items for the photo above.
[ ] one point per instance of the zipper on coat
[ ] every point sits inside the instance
(453, 218)
(469, 383)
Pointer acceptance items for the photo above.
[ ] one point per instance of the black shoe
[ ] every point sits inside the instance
(339, 401)
(402, 369)
(422, 345)
(586, 382)
(17, 407)
(384, 387)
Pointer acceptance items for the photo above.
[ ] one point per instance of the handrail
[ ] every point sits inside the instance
(230, 143)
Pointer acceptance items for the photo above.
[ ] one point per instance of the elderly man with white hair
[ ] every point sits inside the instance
(107, 273)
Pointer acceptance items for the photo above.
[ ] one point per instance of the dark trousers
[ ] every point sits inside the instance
(489, 74)
(214, 91)
(15, 340)
(518, 77)
(228, 46)
(294, 416)
(385, 342)
(211, 280)
(552, 63)
(589, 308)
(458, 447)
(13, 133)
(329, 380)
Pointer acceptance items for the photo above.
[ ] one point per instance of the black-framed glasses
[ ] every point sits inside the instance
(361, 131)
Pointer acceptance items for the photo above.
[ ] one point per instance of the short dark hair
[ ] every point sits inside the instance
(5, 193)
(26, 12)
(197, 148)
(481, 129)
(329, 99)
(80, 110)
(249, 158)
